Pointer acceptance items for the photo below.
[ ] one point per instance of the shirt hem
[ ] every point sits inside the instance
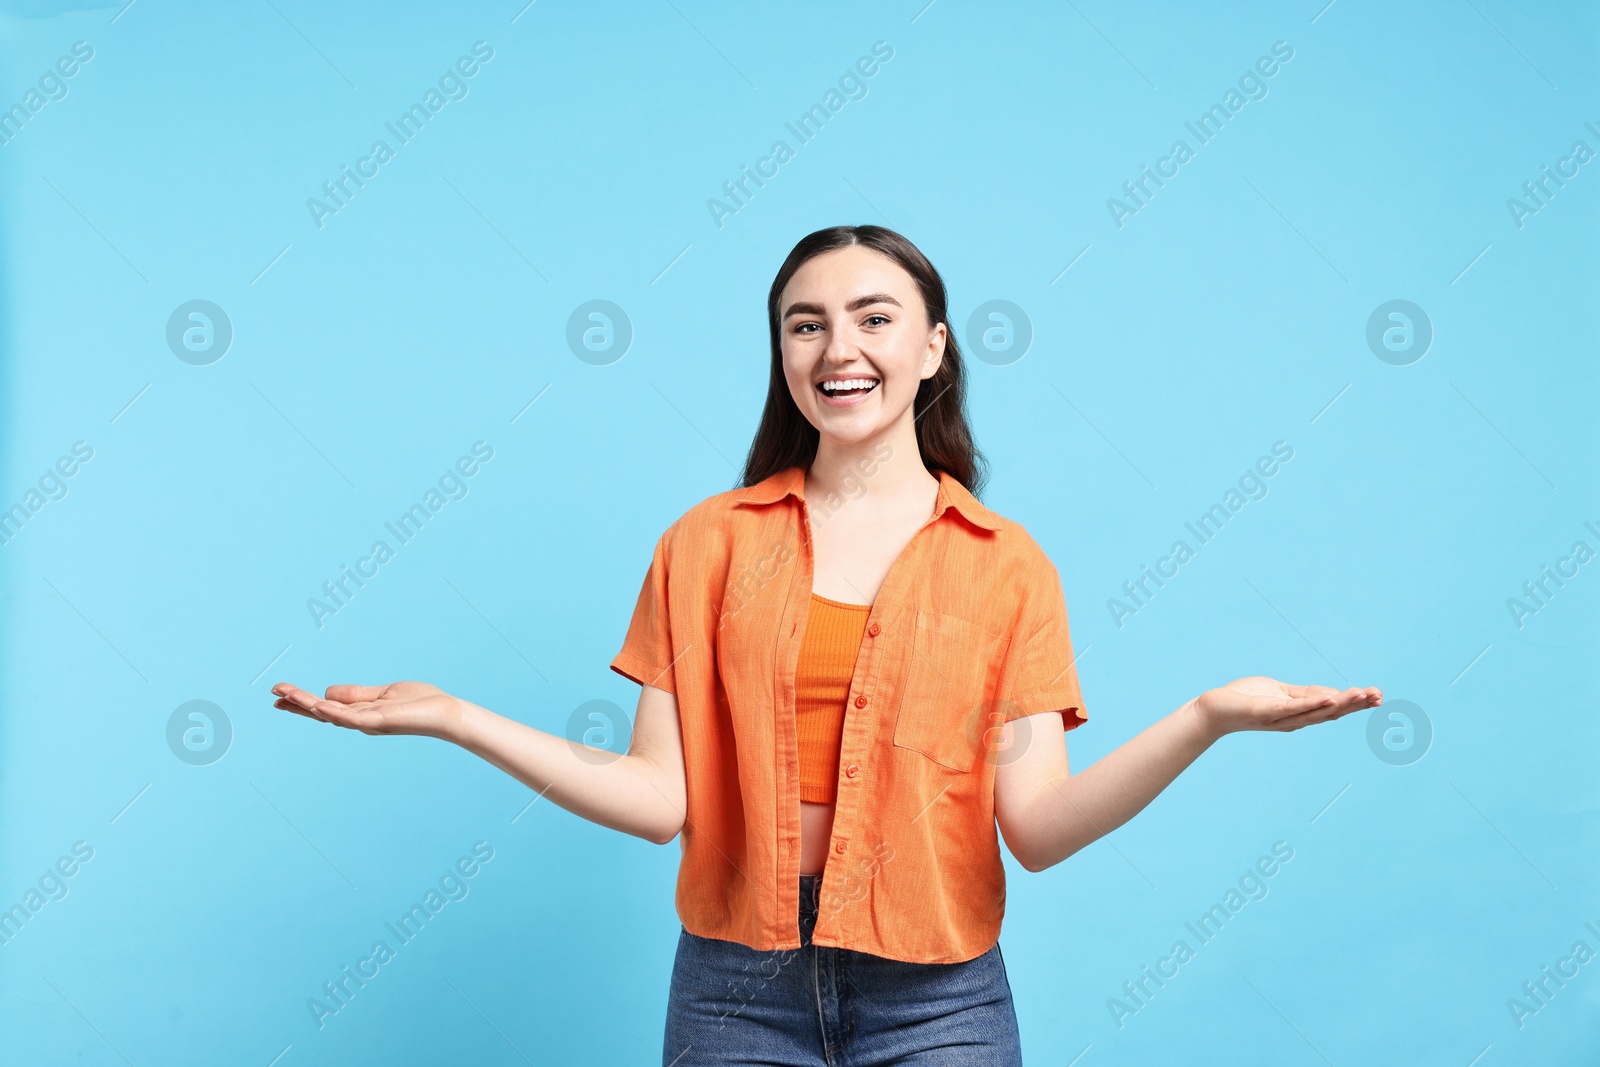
(637, 670)
(1068, 703)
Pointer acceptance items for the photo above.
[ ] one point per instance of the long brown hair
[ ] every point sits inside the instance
(786, 439)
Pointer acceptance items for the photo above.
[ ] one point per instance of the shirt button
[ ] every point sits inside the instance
(861, 702)
(873, 629)
(851, 771)
(839, 847)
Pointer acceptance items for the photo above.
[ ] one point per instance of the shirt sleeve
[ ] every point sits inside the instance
(646, 655)
(1046, 678)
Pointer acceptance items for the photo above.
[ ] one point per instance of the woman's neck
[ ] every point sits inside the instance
(884, 469)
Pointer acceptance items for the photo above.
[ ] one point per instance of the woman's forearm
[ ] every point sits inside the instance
(624, 792)
(1065, 814)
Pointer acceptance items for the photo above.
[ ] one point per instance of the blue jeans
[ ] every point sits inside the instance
(732, 1004)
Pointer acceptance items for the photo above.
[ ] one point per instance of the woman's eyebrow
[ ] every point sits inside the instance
(855, 305)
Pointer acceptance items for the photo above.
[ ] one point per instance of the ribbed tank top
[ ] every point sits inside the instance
(827, 662)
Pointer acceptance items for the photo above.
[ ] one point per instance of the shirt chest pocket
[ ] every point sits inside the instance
(953, 663)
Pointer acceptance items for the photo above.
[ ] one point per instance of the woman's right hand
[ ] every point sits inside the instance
(643, 792)
(397, 708)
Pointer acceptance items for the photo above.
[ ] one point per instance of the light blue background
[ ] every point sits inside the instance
(1228, 314)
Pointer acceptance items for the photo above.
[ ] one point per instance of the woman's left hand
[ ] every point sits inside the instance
(1268, 704)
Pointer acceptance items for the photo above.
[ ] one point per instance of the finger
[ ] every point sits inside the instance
(1356, 699)
(325, 710)
(293, 692)
(1345, 698)
(1301, 705)
(320, 705)
(1325, 710)
(313, 716)
(1305, 718)
(331, 711)
(350, 694)
(1372, 699)
(1345, 704)
(1316, 691)
(288, 701)
(308, 710)
(357, 716)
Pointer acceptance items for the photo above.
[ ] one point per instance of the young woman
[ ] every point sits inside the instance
(851, 672)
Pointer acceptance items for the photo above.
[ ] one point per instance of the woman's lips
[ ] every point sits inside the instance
(849, 400)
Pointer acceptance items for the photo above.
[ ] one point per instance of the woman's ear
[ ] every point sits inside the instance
(934, 357)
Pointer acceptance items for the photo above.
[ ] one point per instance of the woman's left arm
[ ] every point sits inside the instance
(1046, 814)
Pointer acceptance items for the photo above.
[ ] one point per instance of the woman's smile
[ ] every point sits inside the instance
(839, 391)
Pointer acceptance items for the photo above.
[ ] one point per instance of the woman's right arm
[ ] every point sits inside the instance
(642, 793)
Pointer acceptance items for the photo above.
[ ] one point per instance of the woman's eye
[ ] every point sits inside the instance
(802, 327)
(870, 318)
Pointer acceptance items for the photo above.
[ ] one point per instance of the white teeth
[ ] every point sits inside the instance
(849, 383)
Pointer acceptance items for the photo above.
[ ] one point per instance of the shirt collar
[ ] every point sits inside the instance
(792, 481)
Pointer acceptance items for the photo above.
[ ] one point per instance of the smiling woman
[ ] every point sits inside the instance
(842, 719)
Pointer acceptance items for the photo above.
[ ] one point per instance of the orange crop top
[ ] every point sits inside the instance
(821, 683)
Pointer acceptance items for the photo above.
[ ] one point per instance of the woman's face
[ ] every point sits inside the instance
(854, 315)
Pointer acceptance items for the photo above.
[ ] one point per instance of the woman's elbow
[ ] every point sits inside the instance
(665, 835)
(1033, 864)
(1025, 853)
(1035, 861)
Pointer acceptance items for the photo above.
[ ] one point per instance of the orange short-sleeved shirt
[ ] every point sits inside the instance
(968, 631)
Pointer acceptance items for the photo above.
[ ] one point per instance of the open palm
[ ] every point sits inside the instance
(1258, 703)
(396, 708)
